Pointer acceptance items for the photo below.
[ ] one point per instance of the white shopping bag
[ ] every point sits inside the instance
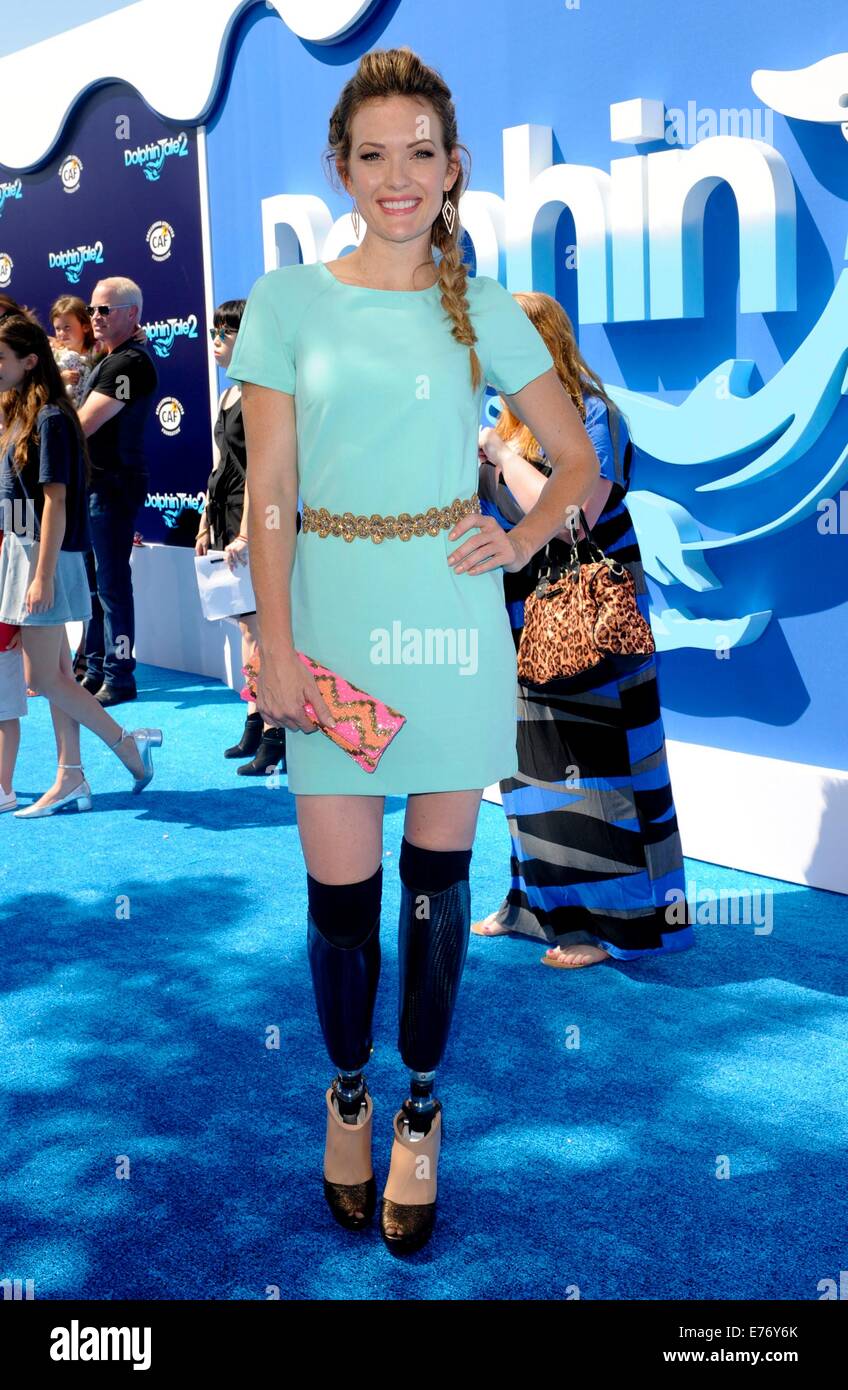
(223, 592)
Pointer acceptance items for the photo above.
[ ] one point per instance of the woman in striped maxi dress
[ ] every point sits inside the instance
(596, 862)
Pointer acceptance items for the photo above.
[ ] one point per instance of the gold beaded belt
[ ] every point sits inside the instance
(380, 528)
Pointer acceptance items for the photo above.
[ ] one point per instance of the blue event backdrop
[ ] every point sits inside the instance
(769, 675)
(113, 199)
(737, 402)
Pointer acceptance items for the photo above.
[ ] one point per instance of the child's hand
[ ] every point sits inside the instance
(14, 642)
(39, 597)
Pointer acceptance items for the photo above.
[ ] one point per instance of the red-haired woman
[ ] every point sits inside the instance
(596, 854)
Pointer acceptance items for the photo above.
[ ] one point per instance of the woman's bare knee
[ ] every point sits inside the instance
(442, 820)
(341, 836)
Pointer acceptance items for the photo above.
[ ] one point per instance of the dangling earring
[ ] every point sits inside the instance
(354, 217)
(449, 214)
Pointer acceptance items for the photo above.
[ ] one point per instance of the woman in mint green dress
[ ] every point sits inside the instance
(363, 385)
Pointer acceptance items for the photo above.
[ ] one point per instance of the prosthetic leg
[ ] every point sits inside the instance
(435, 915)
(343, 945)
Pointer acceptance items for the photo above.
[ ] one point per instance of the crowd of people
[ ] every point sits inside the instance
(72, 477)
(73, 406)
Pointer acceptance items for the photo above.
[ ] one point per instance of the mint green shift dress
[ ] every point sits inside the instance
(387, 422)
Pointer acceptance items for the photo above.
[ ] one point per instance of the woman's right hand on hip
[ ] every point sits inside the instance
(283, 687)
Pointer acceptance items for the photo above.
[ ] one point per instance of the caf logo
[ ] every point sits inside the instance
(5, 269)
(69, 173)
(169, 413)
(159, 238)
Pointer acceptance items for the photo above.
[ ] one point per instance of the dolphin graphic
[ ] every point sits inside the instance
(721, 419)
(677, 627)
(825, 487)
(817, 93)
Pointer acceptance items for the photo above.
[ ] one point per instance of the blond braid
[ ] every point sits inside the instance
(453, 283)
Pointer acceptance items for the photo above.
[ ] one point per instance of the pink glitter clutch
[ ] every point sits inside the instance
(365, 726)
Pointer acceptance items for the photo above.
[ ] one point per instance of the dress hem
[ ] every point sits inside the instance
(406, 790)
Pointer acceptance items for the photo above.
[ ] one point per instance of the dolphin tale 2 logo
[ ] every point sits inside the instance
(151, 157)
(169, 413)
(70, 171)
(160, 238)
(5, 269)
(172, 504)
(75, 259)
(15, 189)
(162, 333)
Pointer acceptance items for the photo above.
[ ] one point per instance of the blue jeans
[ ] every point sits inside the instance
(112, 508)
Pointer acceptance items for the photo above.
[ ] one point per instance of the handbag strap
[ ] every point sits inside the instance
(615, 437)
(588, 540)
(621, 460)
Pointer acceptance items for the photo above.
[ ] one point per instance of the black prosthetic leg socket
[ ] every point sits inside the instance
(432, 948)
(343, 946)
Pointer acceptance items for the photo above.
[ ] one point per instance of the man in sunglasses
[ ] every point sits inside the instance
(114, 409)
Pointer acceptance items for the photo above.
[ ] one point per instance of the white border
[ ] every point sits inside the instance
(171, 51)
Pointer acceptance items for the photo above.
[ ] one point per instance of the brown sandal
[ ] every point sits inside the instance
(409, 1198)
(487, 927)
(349, 1185)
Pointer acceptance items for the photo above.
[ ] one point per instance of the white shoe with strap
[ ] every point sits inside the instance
(81, 795)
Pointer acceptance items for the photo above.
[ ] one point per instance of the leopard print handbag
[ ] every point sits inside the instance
(585, 613)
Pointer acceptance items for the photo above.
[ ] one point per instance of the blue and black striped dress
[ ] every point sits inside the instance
(596, 854)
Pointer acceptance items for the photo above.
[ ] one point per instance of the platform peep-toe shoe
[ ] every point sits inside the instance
(409, 1197)
(349, 1185)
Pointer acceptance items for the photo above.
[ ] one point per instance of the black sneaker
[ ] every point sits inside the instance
(90, 683)
(109, 695)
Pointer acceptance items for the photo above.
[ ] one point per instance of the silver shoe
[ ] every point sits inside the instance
(81, 794)
(145, 739)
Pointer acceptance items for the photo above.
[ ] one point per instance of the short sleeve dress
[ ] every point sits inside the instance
(387, 422)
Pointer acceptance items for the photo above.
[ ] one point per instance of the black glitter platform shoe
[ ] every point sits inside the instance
(349, 1185)
(409, 1198)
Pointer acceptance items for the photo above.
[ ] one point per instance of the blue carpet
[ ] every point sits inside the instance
(151, 947)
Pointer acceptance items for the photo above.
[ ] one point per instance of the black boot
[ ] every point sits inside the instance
(270, 753)
(250, 739)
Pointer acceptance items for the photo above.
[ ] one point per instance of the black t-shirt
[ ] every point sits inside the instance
(126, 374)
(56, 459)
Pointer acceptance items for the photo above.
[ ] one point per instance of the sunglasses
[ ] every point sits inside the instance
(105, 309)
(221, 333)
